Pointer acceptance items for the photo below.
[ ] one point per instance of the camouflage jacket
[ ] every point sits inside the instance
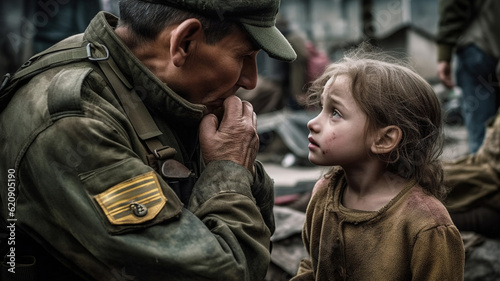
(78, 169)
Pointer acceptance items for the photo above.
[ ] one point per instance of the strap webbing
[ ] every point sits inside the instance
(75, 49)
(70, 49)
(66, 51)
(137, 112)
(62, 57)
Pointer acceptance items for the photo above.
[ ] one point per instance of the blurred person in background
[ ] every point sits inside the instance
(469, 29)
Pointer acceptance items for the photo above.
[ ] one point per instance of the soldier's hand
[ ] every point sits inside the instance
(235, 138)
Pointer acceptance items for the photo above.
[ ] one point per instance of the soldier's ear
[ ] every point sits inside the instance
(386, 139)
(183, 40)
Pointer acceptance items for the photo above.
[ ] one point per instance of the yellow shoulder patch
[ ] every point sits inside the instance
(133, 201)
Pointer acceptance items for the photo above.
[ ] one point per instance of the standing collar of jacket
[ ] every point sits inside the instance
(154, 93)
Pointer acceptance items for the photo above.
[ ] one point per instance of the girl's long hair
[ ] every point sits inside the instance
(391, 93)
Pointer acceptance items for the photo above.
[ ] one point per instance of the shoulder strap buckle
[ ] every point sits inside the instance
(165, 152)
(5, 81)
(91, 57)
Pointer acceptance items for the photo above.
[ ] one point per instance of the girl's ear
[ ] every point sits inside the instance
(183, 39)
(387, 139)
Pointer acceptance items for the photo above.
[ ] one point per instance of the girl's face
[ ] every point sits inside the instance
(337, 135)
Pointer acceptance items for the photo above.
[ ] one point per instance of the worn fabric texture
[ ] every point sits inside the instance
(62, 161)
(474, 179)
(411, 238)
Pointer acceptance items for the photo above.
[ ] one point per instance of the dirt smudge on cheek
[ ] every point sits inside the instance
(329, 145)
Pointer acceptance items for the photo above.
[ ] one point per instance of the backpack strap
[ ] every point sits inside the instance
(75, 49)
(137, 112)
(160, 157)
(70, 50)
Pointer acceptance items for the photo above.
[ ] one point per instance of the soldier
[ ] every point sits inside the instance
(127, 155)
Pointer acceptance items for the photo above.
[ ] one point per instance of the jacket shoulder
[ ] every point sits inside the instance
(64, 92)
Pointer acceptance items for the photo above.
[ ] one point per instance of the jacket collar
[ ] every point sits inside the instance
(155, 94)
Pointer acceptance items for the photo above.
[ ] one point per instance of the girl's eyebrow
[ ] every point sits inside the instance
(335, 101)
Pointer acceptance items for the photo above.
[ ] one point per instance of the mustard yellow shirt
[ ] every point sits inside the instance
(411, 238)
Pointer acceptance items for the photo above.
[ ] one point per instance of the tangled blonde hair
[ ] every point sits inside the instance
(391, 93)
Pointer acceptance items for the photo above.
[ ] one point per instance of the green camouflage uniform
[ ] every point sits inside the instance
(78, 164)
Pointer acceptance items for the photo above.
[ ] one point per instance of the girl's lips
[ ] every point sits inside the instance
(312, 143)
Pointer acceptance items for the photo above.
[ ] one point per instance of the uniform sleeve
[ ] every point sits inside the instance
(263, 192)
(438, 255)
(114, 217)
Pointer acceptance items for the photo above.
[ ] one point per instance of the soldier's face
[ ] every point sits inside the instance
(218, 71)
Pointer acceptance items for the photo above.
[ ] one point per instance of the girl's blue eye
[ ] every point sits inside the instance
(336, 114)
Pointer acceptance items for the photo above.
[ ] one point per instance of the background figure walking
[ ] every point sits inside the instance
(471, 27)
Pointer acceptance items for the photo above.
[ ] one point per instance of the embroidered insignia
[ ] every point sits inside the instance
(133, 201)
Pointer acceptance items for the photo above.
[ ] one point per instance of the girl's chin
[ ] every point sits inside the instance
(318, 162)
(311, 159)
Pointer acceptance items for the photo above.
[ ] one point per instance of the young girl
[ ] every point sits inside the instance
(377, 215)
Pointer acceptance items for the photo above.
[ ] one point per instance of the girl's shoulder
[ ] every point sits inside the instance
(330, 180)
(321, 185)
(425, 207)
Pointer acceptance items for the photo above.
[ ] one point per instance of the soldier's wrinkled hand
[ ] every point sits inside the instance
(235, 138)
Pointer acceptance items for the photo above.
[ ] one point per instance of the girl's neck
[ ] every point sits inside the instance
(371, 189)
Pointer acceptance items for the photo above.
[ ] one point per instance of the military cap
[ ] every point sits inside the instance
(257, 17)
